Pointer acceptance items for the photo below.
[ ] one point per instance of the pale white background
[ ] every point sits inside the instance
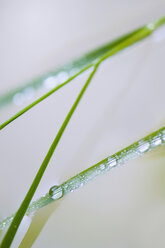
(124, 102)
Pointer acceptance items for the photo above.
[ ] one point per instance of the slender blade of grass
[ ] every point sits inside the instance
(30, 106)
(135, 150)
(8, 238)
(141, 34)
(77, 65)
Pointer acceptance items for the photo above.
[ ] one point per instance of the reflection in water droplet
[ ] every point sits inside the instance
(56, 192)
(143, 146)
(112, 161)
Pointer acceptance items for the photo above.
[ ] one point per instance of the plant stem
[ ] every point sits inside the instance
(105, 165)
(69, 69)
(9, 236)
(114, 48)
(30, 106)
(133, 151)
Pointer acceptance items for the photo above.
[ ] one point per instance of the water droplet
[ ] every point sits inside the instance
(18, 99)
(56, 192)
(112, 161)
(50, 82)
(102, 166)
(163, 135)
(74, 71)
(151, 26)
(144, 146)
(156, 141)
(62, 76)
(81, 184)
(28, 92)
(72, 191)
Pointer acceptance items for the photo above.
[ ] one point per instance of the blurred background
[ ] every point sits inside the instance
(124, 102)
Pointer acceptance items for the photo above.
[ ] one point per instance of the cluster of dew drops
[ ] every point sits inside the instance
(133, 151)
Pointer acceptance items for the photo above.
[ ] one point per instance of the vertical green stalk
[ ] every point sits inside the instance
(8, 238)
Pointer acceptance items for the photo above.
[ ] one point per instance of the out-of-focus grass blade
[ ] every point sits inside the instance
(65, 72)
(116, 46)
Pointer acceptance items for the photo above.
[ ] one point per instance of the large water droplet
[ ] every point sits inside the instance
(56, 192)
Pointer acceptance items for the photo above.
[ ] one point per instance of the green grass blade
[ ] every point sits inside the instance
(137, 149)
(139, 35)
(91, 57)
(8, 238)
(30, 106)
(113, 47)
(76, 65)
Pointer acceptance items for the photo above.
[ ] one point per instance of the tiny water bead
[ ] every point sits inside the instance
(62, 76)
(81, 184)
(151, 26)
(26, 94)
(50, 82)
(143, 146)
(5, 222)
(112, 161)
(18, 98)
(163, 135)
(120, 158)
(133, 151)
(56, 192)
(29, 92)
(156, 141)
(102, 166)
